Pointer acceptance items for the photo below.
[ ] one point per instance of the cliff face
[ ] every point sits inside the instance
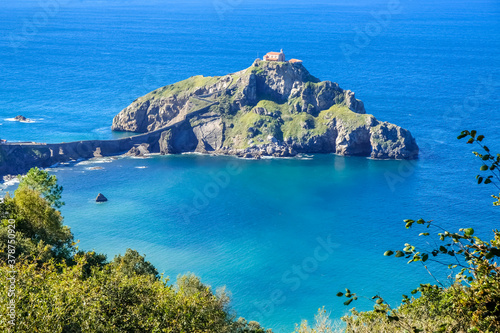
(271, 108)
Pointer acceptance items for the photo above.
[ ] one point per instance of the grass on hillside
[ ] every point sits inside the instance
(298, 126)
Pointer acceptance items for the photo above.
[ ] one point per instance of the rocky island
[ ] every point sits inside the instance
(273, 108)
(270, 109)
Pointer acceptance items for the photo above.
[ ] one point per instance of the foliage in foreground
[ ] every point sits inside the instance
(471, 303)
(57, 288)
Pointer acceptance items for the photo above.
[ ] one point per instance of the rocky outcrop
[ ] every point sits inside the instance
(101, 198)
(239, 113)
(22, 119)
(139, 150)
(269, 109)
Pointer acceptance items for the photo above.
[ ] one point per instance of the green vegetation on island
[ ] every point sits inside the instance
(270, 109)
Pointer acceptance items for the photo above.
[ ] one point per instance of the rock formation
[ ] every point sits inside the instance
(22, 119)
(139, 150)
(271, 108)
(101, 198)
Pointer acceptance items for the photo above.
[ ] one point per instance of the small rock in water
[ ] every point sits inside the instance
(101, 198)
(21, 118)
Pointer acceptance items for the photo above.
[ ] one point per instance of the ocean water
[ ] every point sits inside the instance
(284, 236)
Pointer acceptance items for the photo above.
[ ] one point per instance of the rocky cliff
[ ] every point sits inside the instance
(269, 109)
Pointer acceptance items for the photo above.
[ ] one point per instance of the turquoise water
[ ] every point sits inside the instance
(432, 67)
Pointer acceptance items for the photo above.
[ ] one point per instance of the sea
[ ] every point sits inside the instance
(283, 236)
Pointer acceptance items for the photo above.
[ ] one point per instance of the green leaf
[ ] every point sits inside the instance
(473, 133)
(340, 294)
(425, 256)
(399, 254)
(468, 232)
(388, 253)
(471, 140)
(487, 181)
(349, 301)
(480, 138)
(484, 167)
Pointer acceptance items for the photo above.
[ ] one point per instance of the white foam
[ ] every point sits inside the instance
(98, 160)
(58, 168)
(20, 121)
(141, 167)
(195, 153)
(94, 168)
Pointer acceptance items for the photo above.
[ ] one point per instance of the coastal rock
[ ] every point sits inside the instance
(275, 103)
(22, 119)
(139, 150)
(101, 198)
(270, 109)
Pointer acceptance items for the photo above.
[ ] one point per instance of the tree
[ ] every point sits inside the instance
(44, 183)
(38, 226)
(58, 289)
(61, 298)
(133, 263)
(322, 324)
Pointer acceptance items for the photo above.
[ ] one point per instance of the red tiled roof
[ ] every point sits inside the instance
(294, 60)
(273, 53)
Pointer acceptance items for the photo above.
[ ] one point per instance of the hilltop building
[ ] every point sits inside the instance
(275, 56)
(280, 57)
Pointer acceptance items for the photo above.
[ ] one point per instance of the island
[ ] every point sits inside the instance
(273, 108)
